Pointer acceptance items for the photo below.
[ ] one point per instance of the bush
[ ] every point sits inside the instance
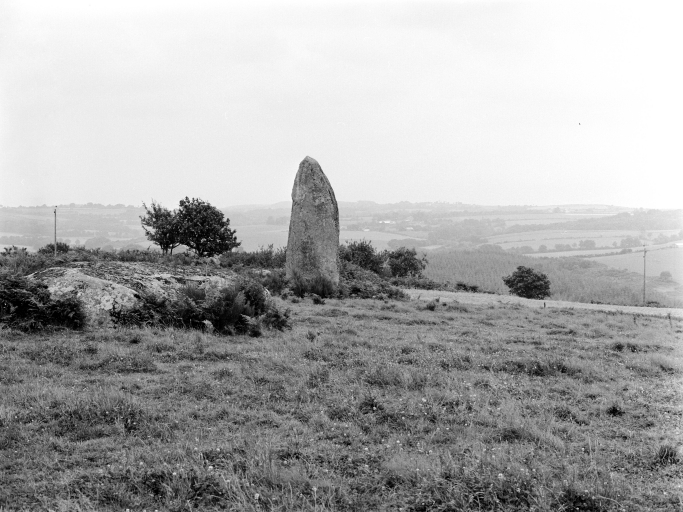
(262, 258)
(358, 282)
(274, 281)
(528, 283)
(275, 318)
(319, 285)
(229, 311)
(26, 305)
(243, 308)
(362, 254)
(49, 249)
(404, 262)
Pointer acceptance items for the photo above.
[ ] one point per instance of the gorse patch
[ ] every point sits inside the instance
(26, 305)
(241, 308)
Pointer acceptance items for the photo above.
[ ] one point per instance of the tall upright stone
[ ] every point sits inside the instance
(313, 244)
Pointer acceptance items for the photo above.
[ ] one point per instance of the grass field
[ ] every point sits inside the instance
(363, 405)
(657, 262)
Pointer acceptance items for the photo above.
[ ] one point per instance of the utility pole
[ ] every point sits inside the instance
(55, 231)
(644, 259)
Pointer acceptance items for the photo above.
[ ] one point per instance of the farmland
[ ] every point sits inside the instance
(262, 235)
(572, 279)
(363, 405)
(602, 238)
(670, 260)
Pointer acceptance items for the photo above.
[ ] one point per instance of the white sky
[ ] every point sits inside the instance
(510, 102)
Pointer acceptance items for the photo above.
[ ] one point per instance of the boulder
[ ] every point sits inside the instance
(313, 244)
(104, 285)
(97, 296)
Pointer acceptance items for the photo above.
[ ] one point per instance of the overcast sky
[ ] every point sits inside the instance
(509, 102)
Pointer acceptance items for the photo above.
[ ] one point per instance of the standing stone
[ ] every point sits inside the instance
(313, 244)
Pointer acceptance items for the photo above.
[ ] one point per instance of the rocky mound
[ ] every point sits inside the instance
(101, 286)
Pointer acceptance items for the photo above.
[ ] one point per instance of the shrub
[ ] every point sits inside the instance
(274, 281)
(364, 284)
(264, 257)
(239, 308)
(275, 318)
(229, 311)
(49, 249)
(528, 283)
(404, 262)
(27, 305)
(362, 254)
(319, 285)
(255, 295)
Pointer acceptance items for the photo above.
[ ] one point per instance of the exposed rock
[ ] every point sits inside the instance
(313, 244)
(103, 285)
(97, 295)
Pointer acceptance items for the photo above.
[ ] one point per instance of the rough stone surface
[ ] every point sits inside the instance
(99, 286)
(313, 244)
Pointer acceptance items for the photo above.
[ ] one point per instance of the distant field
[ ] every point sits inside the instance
(551, 237)
(379, 239)
(262, 235)
(657, 262)
(596, 252)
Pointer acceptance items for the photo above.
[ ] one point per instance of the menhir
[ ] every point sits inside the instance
(313, 245)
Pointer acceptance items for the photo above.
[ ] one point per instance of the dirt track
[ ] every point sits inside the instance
(486, 298)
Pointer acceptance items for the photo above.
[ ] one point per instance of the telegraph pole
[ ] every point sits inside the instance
(644, 259)
(55, 231)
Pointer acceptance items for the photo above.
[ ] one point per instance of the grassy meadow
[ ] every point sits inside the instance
(362, 405)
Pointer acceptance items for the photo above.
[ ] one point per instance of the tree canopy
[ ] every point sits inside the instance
(203, 228)
(161, 227)
(528, 283)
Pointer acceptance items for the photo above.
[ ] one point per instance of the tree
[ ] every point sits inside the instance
(528, 283)
(161, 227)
(665, 275)
(203, 229)
(587, 244)
(404, 262)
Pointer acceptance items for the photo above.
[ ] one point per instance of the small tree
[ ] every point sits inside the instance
(404, 262)
(203, 229)
(528, 283)
(161, 227)
(665, 275)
